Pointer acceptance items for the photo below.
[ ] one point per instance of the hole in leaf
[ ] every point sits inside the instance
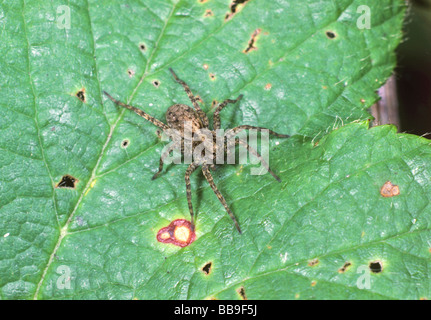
(207, 268)
(235, 7)
(81, 95)
(376, 266)
(130, 72)
(125, 143)
(313, 262)
(331, 34)
(212, 76)
(142, 47)
(344, 267)
(156, 83)
(67, 181)
(251, 44)
(241, 292)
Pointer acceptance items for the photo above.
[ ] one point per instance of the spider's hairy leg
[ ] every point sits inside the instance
(202, 115)
(257, 155)
(162, 158)
(234, 131)
(139, 112)
(209, 177)
(216, 119)
(192, 167)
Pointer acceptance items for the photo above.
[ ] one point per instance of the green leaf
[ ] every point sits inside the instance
(304, 69)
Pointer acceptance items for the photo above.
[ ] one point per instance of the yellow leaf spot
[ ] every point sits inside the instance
(165, 235)
(92, 184)
(182, 233)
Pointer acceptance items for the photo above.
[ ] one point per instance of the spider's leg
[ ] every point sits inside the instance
(216, 118)
(162, 158)
(143, 114)
(234, 131)
(210, 180)
(192, 167)
(202, 115)
(257, 155)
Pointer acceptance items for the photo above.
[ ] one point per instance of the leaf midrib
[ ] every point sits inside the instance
(64, 229)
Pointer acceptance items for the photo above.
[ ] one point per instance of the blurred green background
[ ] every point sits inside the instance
(413, 73)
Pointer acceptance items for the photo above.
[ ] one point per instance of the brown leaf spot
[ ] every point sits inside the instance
(252, 42)
(81, 95)
(208, 13)
(313, 283)
(179, 232)
(241, 292)
(344, 267)
(313, 262)
(268, 86)
(235, 7)
(130, 72)
(389, 190)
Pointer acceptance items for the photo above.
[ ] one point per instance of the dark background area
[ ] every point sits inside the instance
(413, 73)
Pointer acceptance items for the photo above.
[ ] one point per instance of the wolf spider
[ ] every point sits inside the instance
(176, 116)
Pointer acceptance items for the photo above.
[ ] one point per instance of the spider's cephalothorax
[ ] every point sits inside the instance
(177, 116)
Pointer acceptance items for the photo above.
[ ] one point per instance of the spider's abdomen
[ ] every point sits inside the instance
(179, 114)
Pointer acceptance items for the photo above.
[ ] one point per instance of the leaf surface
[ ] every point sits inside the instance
(304, 69)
